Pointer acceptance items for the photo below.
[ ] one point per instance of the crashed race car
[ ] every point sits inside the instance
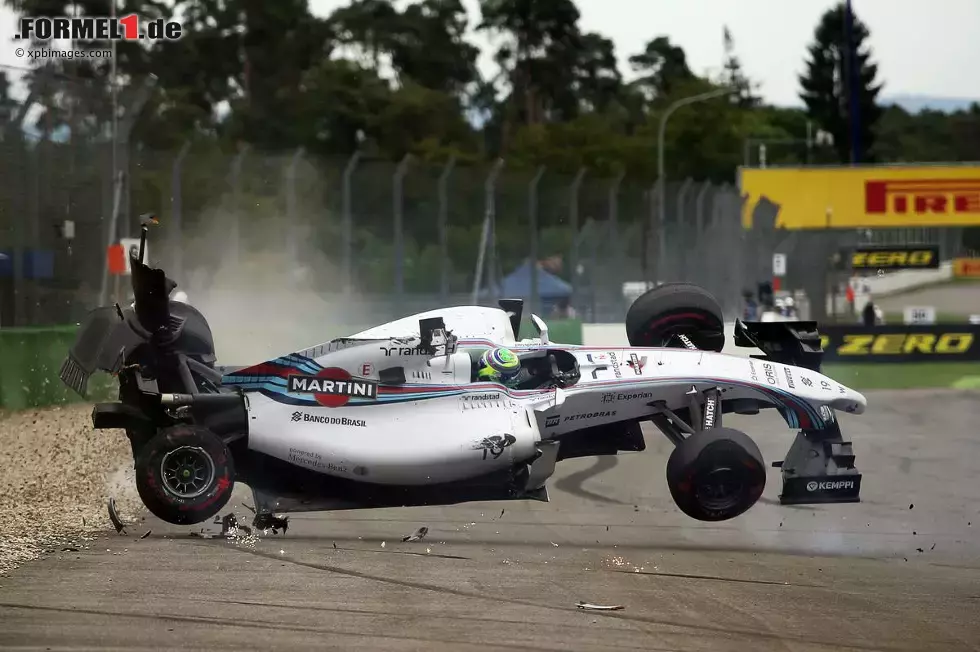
(398, 415)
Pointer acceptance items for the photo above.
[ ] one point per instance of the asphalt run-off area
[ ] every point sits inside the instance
(898, 571)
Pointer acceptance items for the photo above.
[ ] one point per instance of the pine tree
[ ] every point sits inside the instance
(735, 77)
(827, 84)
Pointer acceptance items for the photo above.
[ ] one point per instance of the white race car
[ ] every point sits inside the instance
(396, 415)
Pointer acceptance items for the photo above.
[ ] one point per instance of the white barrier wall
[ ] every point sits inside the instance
(615, 335)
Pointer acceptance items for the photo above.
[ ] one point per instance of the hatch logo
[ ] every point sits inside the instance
(709, 413)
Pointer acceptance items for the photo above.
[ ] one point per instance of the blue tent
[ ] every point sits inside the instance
(517, 285)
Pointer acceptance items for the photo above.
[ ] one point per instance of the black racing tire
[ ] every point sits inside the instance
(181, 499)
(676, 309)
(716, 474)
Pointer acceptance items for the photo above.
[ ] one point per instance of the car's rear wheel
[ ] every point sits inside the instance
(661, 315)
(716, 474)
(185, 474)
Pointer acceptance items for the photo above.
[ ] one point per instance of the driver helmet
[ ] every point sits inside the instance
(498, 364)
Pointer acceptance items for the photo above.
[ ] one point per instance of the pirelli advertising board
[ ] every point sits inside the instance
(901, 343)
(966, 268)
(892, 258)
(864, 197)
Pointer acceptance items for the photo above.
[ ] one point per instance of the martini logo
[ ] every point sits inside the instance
(332, 387)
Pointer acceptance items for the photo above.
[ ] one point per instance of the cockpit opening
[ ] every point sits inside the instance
(540, 368)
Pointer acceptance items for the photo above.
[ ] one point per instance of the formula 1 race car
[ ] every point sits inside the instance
(397, 415)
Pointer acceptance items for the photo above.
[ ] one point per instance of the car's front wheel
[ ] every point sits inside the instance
(665, 314)
(185, 474)
(716, 474)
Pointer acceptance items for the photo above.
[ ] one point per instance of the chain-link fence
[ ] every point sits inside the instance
(382, 239)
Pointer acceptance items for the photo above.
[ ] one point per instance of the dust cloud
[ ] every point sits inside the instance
(271, 300)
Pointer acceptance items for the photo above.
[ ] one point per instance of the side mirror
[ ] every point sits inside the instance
(541, 327)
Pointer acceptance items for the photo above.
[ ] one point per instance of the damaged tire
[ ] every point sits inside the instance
(673, 309)
(716, 474)
(185, 474)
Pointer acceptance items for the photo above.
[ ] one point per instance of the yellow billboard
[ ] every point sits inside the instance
(864, 196)
(966, 267)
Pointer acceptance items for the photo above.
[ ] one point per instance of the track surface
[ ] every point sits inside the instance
(953, 299)
(844, 577)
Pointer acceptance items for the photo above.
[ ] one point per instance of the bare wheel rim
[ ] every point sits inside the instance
(719, 489)
(187, 471)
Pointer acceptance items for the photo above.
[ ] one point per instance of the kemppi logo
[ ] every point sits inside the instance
(830, 486)
(923, 197)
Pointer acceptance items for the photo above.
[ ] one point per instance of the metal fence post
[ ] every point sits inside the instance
(681, 249)
(613, 207)
(532, 213)
(699, 207)
(444, 260)
(573, 193)
(291, 217)
(348, 234)
(176, 215)
(398, 215)
(661, 198)
(125, 128)
(489, 190)
(651, 244)
(699, 244)
(614, 211)
(236, 199)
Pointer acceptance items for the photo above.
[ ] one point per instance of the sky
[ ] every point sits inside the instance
(921, 48)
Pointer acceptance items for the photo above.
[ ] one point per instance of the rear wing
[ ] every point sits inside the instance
(794, 343)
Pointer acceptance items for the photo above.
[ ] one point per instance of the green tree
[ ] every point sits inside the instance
(429, 47)
(661, 67)
(541, 43)
(8, 105)
(735, 77)
(827, 83)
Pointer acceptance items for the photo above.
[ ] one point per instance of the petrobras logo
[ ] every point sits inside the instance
(590, 415)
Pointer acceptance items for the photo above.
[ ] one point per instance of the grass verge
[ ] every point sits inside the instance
(913, 375)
